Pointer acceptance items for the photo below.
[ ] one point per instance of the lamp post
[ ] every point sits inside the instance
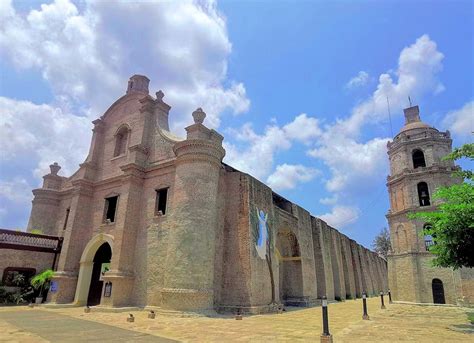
(365, 316)
(389, 297)
(326, 336)
(381, 299)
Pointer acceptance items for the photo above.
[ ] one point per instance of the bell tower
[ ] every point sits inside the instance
(416, 171)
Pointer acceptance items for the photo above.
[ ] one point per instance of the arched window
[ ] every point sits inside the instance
(121, 138)
(423, 194)
(418, 159)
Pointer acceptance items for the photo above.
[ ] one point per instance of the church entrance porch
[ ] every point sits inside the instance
(94, 262)
(101, 264)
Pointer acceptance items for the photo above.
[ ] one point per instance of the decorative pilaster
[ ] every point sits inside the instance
(125, 235)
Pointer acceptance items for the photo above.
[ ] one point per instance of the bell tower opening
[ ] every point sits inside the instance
(418, 159)
(423, 194)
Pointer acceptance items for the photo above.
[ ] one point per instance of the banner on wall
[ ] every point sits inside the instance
(262, 240)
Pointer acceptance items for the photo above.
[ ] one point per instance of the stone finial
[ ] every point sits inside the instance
(55, 167)
(160, 95)
(199, 116)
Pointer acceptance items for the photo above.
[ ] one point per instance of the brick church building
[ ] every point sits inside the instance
(153, 220)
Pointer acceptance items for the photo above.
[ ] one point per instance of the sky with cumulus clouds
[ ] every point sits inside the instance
(298, 89)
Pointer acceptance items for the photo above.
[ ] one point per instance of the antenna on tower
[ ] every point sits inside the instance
(389, 117)
(409, 100)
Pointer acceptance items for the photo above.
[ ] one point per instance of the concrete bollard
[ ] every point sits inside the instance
(130, 318)
(390, 297)
(326, 337)
(238, 316)
(365, 315)
(87, 309)
(381, 300)
(151, 315)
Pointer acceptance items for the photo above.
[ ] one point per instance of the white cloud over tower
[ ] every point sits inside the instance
(87, 55)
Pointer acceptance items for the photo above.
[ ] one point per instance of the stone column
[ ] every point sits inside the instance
(326, 243)
(189, 276)
(366, 283)
(319, 257)
(370, 273)
(307, 255)
(348, 268)
(338, 274)
(375, 275)
(357, 269)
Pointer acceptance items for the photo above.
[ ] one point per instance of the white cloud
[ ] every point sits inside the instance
(287, 176)
(17, 190)
(354, 165)
(256, 158)
(86, 55)
(340, 216)
(351, 162)
(417, 75)
(255, 154)
(357, 166)
(461, 121)
(303, 128)
(361, 79)
(43, 134)
(329, 200)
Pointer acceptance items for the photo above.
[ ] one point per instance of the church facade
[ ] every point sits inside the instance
(416, 171)
(153, 220)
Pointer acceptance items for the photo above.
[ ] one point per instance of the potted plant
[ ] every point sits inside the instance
(40, 282)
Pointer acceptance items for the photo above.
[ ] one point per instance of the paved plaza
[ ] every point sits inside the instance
(398, 323)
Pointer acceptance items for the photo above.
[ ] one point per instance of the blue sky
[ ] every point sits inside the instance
(297, 88)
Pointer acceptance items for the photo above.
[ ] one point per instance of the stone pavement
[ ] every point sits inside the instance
(398, 323)
(47, 326)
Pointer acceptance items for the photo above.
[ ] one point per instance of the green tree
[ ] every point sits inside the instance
(452, 223)
(41, 280)
(381, 243)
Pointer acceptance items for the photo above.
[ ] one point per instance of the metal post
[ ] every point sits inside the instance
(389, 297)
(326, 336)
(381, 299)
(365, 316)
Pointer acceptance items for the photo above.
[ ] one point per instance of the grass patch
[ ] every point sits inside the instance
(470, 317)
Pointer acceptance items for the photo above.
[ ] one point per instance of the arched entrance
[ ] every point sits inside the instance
(438, 291)
(89, 286)
(291, 276)
(101, 264)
